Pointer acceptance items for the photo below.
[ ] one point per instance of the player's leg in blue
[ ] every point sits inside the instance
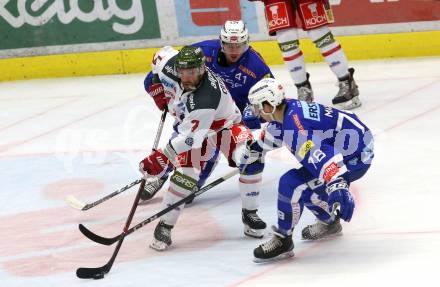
(293, 193)
(328, 224)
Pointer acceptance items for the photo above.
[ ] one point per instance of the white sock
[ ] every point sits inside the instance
(292, 54)
(249, 186)
(331, 50)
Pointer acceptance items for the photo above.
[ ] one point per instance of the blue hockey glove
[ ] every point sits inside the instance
(339, 196)
(249, 119)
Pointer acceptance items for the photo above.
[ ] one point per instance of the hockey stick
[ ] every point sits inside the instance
(99, 272)
(77, 204)
(109, 241)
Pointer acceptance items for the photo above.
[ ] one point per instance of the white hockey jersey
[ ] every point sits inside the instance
(199, 113)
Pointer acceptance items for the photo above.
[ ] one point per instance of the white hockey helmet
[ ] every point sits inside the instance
(234, 32)
(266, 90)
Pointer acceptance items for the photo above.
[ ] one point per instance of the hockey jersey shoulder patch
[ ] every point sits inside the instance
(169, 71)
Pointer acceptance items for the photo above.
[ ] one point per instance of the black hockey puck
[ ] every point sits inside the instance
(98, 275)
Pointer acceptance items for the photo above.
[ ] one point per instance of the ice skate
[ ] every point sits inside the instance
(348, 94)
(321, 230)
(253, 225)
(305, 92)
(279, 247)
(162, 237)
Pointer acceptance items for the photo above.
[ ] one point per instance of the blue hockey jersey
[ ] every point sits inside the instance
(326, 141)
(240, 76)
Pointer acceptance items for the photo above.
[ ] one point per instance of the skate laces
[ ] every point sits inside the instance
(317, 228)
(164, 232)
(253, 217)
(271, 244)
(344, 87)
(304, 93)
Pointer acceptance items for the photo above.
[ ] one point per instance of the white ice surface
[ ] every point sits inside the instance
(85, 136)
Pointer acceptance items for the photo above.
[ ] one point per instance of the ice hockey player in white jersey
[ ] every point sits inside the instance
(206, 118)
(233, 59)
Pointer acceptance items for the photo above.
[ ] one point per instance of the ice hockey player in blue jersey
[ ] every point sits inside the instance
(235, 61)
(334, 148)
(240, 67)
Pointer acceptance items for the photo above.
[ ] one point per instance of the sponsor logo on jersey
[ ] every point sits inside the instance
(247, 71)
(330, 171)
(170, 70)
(212, 80)
(328, 112)
(298, 124)
(305, 148)
(240, 133)
(311, 111)
(191, 102)
(277, 16)
(223, 87)
(167, 83)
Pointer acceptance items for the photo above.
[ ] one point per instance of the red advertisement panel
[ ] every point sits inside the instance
(364, 12)
(212, 13)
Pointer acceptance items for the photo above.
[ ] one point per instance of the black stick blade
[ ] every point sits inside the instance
(91, 273)
(96, 238)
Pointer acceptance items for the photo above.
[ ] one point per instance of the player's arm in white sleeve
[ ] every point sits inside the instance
(201, 107)
(191, 133)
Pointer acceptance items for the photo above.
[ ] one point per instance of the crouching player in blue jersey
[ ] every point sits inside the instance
(240, 67)
(334, 148)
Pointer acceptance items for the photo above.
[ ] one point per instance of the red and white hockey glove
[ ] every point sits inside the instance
(156, 164)
(159, 97)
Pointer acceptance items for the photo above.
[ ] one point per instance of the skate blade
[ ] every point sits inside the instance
(254, 233)
(159, 245)
(330, 236)
(349, 105)
(285, 255)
